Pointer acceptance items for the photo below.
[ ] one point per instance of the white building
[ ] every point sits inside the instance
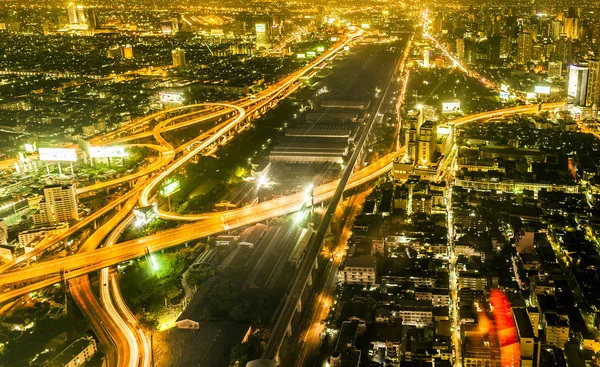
(359, 270)
(178, 58)
(76, 354)
(25, 237)
(3, 232)
(415, 312)
(557, 329)
(59, 205)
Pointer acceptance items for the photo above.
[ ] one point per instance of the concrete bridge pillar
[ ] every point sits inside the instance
(299, 306)
(309, 280)
(288, 331)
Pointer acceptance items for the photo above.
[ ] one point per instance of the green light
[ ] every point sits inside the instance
(311, 54)
(170, 188)
(154, 262)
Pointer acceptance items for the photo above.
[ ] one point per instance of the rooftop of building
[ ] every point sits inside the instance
(364, 261)
(523, 323)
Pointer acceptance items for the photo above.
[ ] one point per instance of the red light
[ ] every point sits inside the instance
(510, 354)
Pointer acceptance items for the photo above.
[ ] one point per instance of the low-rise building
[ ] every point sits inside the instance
(76, 354)
(25, 237)
(415, 312)
(359, 270)
(557, 329)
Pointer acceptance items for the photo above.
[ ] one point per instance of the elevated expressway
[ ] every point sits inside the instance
(207, 223)
(119, 327)
(76, 266)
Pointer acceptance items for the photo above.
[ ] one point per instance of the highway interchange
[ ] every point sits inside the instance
(111, 319)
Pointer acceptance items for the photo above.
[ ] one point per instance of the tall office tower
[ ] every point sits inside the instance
(524, 47)
(426, 57)
(569, 27)
(178, 58)
(72, 11)
(320, 19)
(427, 142)
(175, 25)
(554, 69)
(593, 84)
(92, 19)
(537, 53)
(460, 48)
(494, 50)
(438, 24)
(497, 27)
(556, 29)
(577, 86)
(505, 48)
(263, 37)
(563, 50)
(59, 205)
(127, 52)
(81, 19)
(410, 141)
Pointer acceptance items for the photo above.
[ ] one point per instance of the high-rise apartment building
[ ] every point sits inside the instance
(59, 205)
(263, 35)
(81, 17)
(593, 83)
(179, 58)
(524, 47)
(92, 19)
(427, 142)
(127, 52)
(577, 86)
(72, 12)
(554, 69)
(460, 47)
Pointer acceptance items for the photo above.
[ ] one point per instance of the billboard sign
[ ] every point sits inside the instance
(171, 97)
(504, 96)
(450, 107)
(541, 89)
(107, 152)
(301, 56)
(531, 95)
(170, 188)
(30, 147)
(58, 154)
(260, 27)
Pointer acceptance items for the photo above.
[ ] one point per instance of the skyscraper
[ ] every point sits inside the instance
(427, 142)
(410, 141)
(494, 50)
(178, 58)
(577, 87)
(72, 11)
(262, 35)
(554, 69)
(81, 18)
(59, 205)
(127, 52)
(460, 47)
(524, 47)
(426, 57)
(593, 83)
(92, 19)
(563, 50)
